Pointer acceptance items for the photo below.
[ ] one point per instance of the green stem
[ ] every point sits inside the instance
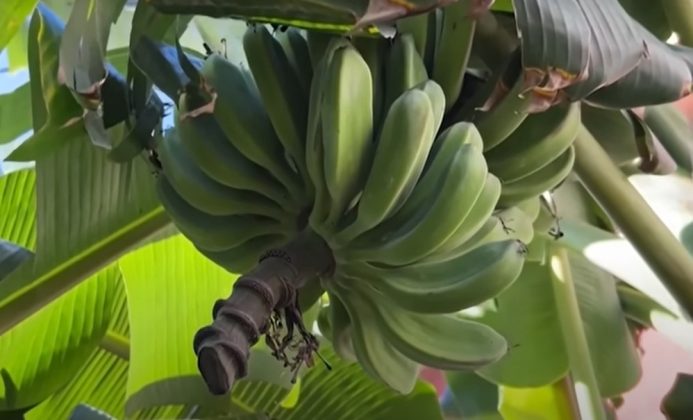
(589, 401)
(635, 218)
(680, 15)
(116, 344)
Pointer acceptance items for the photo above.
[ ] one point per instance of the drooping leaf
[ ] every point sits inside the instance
(89, 212)
(671, 127)
(16, 48)
(614, 354)
(12, 14)
(677, 404)
(13, 123)
(41, 354)
(592, 49)
(527, 317)
(650, 14)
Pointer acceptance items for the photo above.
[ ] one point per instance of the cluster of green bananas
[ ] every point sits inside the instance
(351, 139)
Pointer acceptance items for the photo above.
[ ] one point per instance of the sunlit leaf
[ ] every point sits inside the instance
(89, 212)
(41, 354)
(12, 15)
(18, 208)
(543, 403)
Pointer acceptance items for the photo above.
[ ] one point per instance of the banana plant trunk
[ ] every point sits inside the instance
(270, 288)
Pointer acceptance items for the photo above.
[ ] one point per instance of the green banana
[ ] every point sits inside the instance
(340, 328)
(493, 230)
(437, 96)
(453, 49)
(540, 139)
(449, 205)
(280, 88)
(296, 49)
(241, 115)
(400, 155)
(496, 124)
(417, 27)
(441, 341)
(446, 286)
(404, 69)
(317, 45)
(243, 257)
(442, 152)
(347, 129)
(539, 181)
(478, 215)
(206, 194)
(373, 51)
(375, 353)
(209, 149)
(314, 144)
(214, 233)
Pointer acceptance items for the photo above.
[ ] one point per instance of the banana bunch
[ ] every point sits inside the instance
(352, 139)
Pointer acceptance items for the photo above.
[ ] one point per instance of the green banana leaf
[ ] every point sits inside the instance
(672, 129)
(16, 49)
(13, 123)
(107, 369)
(89, 212)
(593, 50)
(12, 14)
(651, 14)
(18, 207)
(614, 355)
(526, 315)
(41, 354)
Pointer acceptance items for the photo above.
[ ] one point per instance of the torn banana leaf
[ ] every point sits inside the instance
(331, 15)
(594, 50)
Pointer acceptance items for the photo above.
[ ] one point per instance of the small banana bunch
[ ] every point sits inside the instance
(353, 140)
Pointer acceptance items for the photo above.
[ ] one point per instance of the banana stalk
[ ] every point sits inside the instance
(631, 213)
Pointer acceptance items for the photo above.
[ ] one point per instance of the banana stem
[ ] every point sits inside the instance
(223, 348)
(634, 217)
(589, 400)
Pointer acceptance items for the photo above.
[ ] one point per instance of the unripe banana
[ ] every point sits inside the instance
(437, 96)
(375, 353)
(280, 87)
(539, 140)
(449, 205)
(245, 256)
(314, 159)
(374, 50)
(496, 124)
(404, 70)
(442, 341)
(540, 181)
(347, 129)
(481, 211)
(208, 147)
(241, 115)
(206, 194)
(340, 329)
(453, 49)
(446, 286)
(296, 48)
(214, 233)
(442, 152)
(417, 27)
(400, 155)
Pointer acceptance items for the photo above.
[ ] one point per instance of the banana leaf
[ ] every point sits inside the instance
(594, 50)
(12, 14)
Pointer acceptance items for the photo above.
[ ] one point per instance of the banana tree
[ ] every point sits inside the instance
(497, 190)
